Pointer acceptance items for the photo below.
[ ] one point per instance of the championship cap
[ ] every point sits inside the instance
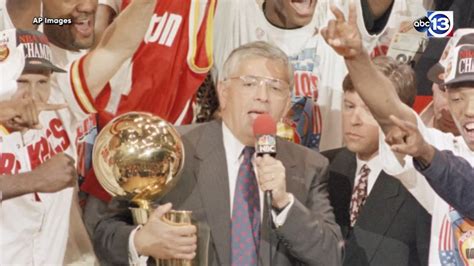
(460, 37)
(460, 67)
(38, 54)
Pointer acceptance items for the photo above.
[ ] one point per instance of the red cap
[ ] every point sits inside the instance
(264, 125)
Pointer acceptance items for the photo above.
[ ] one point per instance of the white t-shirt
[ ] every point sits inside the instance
(83, 132)
(86, 129)
(375, 168)
(39, 230)
(319, 71)
(35, 226)
(449, 230)
(5, 21)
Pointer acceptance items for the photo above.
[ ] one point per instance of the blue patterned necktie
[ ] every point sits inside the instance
(246, 214)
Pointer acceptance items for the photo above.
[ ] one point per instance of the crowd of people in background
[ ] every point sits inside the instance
(375, 130)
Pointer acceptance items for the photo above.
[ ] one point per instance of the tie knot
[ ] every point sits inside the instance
(365, 170)
(248, 152)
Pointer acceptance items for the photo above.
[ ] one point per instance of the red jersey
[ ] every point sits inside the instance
(169, 65)
(166, 70)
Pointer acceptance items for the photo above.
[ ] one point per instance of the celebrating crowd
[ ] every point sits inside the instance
(375, 139)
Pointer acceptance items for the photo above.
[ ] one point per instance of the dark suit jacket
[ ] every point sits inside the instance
(392, 227)
(310, 234)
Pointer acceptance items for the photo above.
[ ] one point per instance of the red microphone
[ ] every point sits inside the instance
(264, 130)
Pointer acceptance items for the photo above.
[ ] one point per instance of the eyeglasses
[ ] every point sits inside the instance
(276, 87)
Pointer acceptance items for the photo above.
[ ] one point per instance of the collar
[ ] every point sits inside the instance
(232, 146)
(374, 165)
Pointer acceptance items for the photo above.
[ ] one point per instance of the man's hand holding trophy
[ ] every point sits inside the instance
(139, 156)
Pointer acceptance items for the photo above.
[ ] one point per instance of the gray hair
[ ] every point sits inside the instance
(260, 49)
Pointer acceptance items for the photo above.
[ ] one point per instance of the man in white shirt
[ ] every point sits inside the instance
(68, 42)
(361, 193)
(256, 79)
(38, 214)
(21, 114)
(452, 234)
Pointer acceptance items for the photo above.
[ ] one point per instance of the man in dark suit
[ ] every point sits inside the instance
(219, 165)
(381, 222)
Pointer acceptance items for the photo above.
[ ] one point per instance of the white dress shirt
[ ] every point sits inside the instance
(233, 153)
(375, 168)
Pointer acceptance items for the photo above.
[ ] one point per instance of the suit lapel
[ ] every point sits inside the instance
(288, 159)
(345, 164)
(378, 213)
(342, 173)
(381, 206)
(213, 183)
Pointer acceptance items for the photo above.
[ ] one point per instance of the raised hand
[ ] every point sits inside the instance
(344, 36)
(406, 139)
(23, 113)
(271, 176)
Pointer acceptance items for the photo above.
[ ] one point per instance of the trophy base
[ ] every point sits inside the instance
(174, 262)
(177, 218)
(173, 217)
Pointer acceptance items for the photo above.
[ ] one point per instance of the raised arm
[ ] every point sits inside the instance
(23, 113)
(449, 175)
(374, 88)
(118, 43)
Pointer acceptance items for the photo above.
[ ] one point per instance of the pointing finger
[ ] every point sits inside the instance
(404, 125)
(352, 19)
(337, 13)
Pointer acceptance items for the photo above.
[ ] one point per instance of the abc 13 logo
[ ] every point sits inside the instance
(436, 24)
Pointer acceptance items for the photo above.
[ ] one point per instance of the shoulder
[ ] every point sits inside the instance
(339, 158)
(184, 129)
(393, 186)
(194, 132)
(335, 153)
(303, 155)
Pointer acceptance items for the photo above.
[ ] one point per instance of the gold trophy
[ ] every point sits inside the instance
(139, 156)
